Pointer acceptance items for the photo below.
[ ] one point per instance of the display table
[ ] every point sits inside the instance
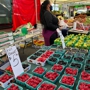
(78, 31)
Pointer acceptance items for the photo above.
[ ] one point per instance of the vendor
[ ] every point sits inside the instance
(49, 22)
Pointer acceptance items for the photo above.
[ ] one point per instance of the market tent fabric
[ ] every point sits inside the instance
(24, 11)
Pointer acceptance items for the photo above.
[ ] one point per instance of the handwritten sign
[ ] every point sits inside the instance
(14, 59)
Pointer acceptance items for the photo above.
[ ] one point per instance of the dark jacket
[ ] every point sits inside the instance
(50, 21)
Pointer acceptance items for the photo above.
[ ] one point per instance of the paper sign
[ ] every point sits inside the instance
(14, 60)
(61, 37)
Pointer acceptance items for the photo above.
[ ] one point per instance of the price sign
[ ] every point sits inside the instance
(61, 37)
(14, 60)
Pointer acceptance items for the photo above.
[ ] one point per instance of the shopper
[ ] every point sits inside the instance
(50, 23)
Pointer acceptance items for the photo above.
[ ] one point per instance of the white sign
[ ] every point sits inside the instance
(62, 38)
(14, 59)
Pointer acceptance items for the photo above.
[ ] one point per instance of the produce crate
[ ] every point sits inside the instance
(52, 81)
(20, 88)
(76, 65)
(67, 58)
(79, 54)
(84, 86)
(78, 59)
(62, 62)
(87, 61)
(20, 82)
(46, 47)
(64, 88)
(57, 55)
(5, 84)
(52, 62)
(87, 68)
(58, 71)
(85, 73)
(71, 74)
(37, 74)
(32, 59)
(69, 86)
(60, 51)
(46, 82)
(32, 88)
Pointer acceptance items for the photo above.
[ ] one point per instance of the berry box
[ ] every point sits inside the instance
(13, 86)
(60, 51)
(82, 85)
(33, 83)
(51, 76)
(26, 67)
(58, 68)
(62, 62)
(46, 47)
(42, 50)
(87, 61)
(85, 76)
(79, 55)
(5, 79)
(47, 86)
(9, 70)
(87, 68)
(78, 59)
(32, 59)
(63, 88)
(76, 65)
(21, 79)
(38, 54)
(56, 55)
(71, 71)
(67, 58)
(67, 81)
(52, 60)
(39, 71)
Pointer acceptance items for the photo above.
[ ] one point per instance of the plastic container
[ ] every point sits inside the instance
(79, 55)
(64, 88)
(20, 82)
(69, 86)
(47, 83)
(52, 81)
(76, 65)
(41, 50)
(32, 88)
(37, 74)
(52, 62)
(46, 47)
(62, 62)
(56, 55)
(87, 68)
(78, 59)
(32, 59)
(85, 75)
(67, 58)
(83, 82)
(20, 88)
(71, 74)
(87, 61)
(60, 51)
(61, 71)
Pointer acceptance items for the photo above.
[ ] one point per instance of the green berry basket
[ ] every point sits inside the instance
(64, 64)
(69, 86)
(20, 82)
(32, 88)
(60, 51)
(79, 65)
(64, 88)
(60, 72)
(47, 83)
(71, 74)
(52, 81)
(51, 62)
(83, 82)
(39, 75)
(20, 88)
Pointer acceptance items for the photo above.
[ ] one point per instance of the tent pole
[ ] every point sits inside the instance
(36, 10)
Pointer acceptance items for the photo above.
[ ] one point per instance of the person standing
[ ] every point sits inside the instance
(50, 23)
